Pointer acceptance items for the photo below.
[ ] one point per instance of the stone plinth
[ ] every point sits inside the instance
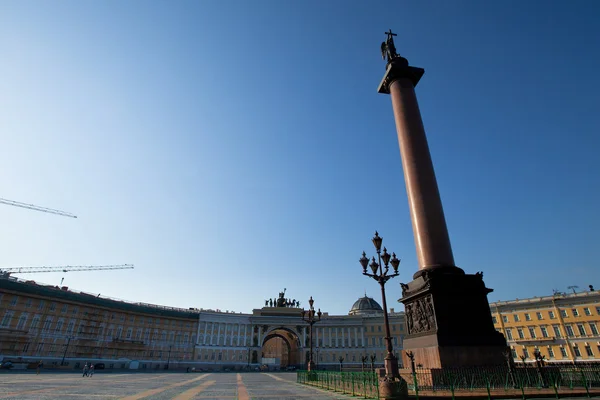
(449, 322)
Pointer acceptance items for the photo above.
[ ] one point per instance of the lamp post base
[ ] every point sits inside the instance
(390, 363)
(311, 366)
(393, 389)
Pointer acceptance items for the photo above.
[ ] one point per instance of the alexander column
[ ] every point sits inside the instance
(447, 311)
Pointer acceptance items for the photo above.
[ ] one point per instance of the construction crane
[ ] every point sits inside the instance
(66, 268)
(36, 208)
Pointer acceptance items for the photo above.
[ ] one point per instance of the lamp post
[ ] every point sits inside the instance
(380, 274)
(341, 360)
(66, 347)
(309, 316)
(169, 356)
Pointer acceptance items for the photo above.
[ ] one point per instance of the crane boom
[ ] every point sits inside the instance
(65, 268)
(36, 208)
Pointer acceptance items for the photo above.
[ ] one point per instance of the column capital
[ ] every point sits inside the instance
(398, 68)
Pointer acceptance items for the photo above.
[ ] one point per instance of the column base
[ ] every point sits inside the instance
(449, 321)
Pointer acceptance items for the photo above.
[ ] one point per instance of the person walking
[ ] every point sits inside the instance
(91, 373)
(39, 366)
(85, 369)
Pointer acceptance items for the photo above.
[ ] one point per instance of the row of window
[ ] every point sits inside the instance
(563, 352)
(570, 332)
(64, 308)
(98, 331)
(539, 315)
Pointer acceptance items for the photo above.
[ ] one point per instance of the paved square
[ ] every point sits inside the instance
(157, 386)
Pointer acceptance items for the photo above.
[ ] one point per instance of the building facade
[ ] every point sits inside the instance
(66, 328)
(563, 327)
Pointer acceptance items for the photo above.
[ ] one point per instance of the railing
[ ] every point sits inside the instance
(486, 382)
(361, 384)
(553, 380)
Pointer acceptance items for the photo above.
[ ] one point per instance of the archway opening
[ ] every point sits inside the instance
(281, 349)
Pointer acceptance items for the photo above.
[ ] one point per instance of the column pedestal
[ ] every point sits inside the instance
(449, 323)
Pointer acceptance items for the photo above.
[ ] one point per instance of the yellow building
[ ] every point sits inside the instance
(563, 327)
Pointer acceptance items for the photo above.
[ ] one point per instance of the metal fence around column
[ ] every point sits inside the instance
(359, 384)
(525, 381)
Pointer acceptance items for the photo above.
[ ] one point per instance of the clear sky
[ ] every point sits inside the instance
(233, 149)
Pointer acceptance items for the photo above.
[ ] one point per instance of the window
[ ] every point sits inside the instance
(509, 335)
(514, 353)
(35, 322)
(598, 310)
(563, 313)
(577, 352)
(520, 332)
(25, 347)
(6, 320)
(70, 327)
(539, 315)
(570, 332)
(544, 331)
(14, 300)
(129, 332)
(64, 308)
(516, 318)
(589, 351)
(504, 318)
(59, 325)
(593, 328)
(379, 328)
(556, 329)
(551, 314)
(587, 311)
(550, 352)
(581, 329)
(563, 352)
(575, 312)
(494, 319)
(41, 304)
(52, 306)
(28, 303)
(394, 326)
(526, 353)
(527, 317)
(532, 333)
(47, 324)
(22, 321)
(75, 310)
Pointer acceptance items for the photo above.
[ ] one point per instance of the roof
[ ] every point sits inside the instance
(32, 288)
(365, 305)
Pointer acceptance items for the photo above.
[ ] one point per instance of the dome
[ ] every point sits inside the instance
(365, 305)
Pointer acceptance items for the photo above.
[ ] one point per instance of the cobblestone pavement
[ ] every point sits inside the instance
(158, 386)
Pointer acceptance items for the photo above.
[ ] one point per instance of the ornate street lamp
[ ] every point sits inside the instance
(381, 275)
(309, 316)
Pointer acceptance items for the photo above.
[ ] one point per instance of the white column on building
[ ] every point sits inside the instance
(212, 332)
(330, 341)
(303, 336)
(317, 337)
(355, 336)
(260, 335)
(343, 336)
(362, 336)
(337, 337)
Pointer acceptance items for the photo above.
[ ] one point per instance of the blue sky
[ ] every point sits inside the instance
(233, 149)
